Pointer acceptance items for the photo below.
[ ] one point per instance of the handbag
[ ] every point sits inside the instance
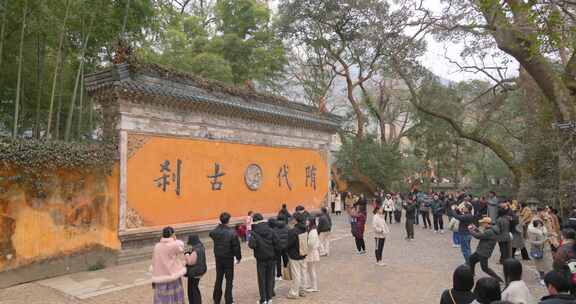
(287, 273)
(537, 252)
(453, 224)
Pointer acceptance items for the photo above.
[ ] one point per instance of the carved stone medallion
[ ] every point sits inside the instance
(253, 177)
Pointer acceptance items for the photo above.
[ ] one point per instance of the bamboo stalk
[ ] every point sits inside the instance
(81, 104)
(57, 67)
(19, 80)
(68, 129)
(39, 79)
(3, 28)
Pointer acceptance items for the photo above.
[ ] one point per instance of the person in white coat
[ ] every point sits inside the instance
(516, 291)
(381, 230)
(313, 257)
(540, 251)
(388, 208)
(337, 203)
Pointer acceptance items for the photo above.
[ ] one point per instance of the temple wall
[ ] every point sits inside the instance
(153, 135)
(74, 227)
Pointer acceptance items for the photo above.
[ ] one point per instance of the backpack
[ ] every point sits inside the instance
(200, 268)
(303, 243)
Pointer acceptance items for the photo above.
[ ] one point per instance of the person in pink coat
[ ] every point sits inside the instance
(168, 268)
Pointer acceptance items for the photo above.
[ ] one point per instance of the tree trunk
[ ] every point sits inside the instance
(19, 79)
(125, 21)
(56, 68)
(40, 49)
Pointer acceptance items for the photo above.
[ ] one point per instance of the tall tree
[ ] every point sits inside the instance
(356, 37)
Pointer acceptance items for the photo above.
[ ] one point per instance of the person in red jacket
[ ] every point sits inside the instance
(358, 222)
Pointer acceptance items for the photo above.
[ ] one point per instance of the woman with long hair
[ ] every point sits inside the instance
(381, 230)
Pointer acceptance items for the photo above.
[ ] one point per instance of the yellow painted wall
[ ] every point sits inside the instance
(197, 201)
(80, 212)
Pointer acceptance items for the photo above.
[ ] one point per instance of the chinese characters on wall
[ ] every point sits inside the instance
(252, 177)
(164, 181)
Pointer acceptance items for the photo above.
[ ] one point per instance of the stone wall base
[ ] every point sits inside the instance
(90, 259)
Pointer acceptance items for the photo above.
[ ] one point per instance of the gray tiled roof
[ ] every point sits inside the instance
(153, 84)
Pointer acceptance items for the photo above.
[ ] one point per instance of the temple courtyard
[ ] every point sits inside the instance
(417, 272)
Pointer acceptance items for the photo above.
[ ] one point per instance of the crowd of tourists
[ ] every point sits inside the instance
(289, 246)
(286, 247)
(534, 235)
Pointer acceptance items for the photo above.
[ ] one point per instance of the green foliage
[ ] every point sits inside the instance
(212, 66)
(236, 45)
(44, 27)
(381, 163)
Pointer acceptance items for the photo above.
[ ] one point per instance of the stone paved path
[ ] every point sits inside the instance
(417, 272)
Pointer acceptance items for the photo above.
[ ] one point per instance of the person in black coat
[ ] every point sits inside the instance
(297, 258)
(504, 238)
(465, 218)
(264, 242)
(195, 271)
(487, 237)
(280, 226)
(463, 282)
(284, 213)
(324, 228)
(226, 249)
(411, 215)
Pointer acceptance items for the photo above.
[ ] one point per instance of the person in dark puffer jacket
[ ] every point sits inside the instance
(282, 231)
(264, 242)
(297, 260)
(324, 228)
(196, 268)
(226, 248)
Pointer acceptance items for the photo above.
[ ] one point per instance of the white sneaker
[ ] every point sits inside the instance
(542, 283)
(441, 231)
(312, 290)
(279, 279)
(382, 264)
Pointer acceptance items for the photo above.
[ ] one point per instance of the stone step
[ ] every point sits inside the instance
(134, 255)
(129, 256)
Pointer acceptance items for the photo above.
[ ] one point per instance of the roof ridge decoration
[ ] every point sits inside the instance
(170, 87)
